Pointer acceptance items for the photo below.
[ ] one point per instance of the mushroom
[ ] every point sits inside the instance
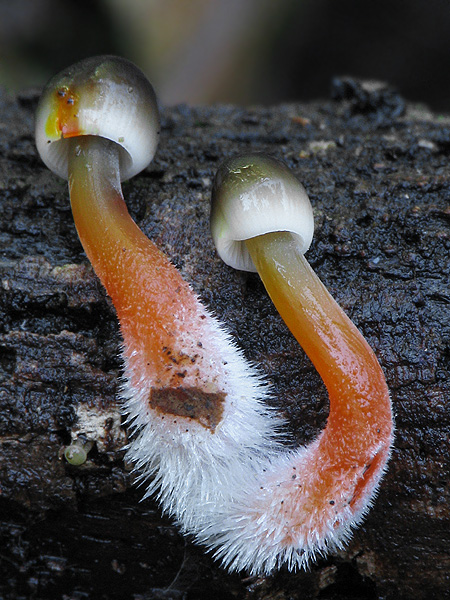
(76, 453)
(195, 407)
(307, 502)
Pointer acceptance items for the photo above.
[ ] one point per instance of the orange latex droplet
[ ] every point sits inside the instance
(63, 118)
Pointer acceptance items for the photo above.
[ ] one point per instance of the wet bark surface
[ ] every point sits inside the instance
(376, 170)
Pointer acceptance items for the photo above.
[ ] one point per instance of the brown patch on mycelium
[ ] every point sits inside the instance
(191, 402)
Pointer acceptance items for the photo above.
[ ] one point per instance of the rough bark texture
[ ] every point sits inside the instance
(377, 173)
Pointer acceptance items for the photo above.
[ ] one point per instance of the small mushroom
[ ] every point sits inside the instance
(97, 123)
(262, 220)
(195, 406)
(76, 453)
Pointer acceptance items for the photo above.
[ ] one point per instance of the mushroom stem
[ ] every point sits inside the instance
(138, 277)
(306, 502)
(337, 349)
(194, 401)
(164, 327)
(357, 437)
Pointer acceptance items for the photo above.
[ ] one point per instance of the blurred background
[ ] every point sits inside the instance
(239, 51)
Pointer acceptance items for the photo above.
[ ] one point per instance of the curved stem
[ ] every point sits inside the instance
(160, 316)
(331, 481)
(337, 349)
(202, 428)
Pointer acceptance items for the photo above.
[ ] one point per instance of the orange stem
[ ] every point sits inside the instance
(151, 298)
(358, 433)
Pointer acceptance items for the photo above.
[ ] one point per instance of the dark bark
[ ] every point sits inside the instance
(377, 174)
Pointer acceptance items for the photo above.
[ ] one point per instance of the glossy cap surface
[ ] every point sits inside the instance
(253, 195)
(104, 96)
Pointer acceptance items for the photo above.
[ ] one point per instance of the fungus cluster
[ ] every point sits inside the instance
(203, 439)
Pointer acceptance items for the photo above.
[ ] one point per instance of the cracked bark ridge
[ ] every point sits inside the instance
(376, 169)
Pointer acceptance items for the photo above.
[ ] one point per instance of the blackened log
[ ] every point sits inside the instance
(376, 169)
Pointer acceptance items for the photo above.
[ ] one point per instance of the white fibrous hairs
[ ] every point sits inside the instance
(235, 488)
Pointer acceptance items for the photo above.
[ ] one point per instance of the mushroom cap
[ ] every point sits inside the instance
(105, 96)
(253, 195)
